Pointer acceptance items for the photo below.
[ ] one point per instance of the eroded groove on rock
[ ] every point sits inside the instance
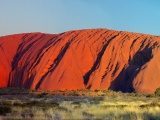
(97, 62)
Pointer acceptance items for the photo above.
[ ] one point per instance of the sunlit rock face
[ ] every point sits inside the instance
(81, 59)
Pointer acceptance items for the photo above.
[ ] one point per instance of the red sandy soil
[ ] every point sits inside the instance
(80, 59)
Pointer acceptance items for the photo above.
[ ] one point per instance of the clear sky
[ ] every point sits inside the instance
(57, 16)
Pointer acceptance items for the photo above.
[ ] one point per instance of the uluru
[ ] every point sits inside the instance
(93, 59)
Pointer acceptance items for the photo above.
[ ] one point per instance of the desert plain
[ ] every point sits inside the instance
(16, 103)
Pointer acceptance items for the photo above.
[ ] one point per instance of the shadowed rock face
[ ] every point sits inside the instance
(92, 59)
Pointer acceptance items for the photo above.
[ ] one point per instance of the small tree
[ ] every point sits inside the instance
(157, 92)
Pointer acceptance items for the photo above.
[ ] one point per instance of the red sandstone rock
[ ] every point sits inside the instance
(93, 59)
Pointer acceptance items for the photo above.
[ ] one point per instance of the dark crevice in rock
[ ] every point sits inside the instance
(96, 64)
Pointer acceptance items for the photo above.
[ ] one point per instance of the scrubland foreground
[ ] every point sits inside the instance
(16, 103)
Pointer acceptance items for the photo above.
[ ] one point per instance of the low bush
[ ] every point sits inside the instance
(157, 92)
(97, 90)
(77, 107)
(105, 91)
(76, 103)
(96, 100)
(118, 106)
(150, 95)
(5, 109)
(40, 95)
(27, 104)
(54, 104)
(75, 93)
(154, 104)
(62, 109)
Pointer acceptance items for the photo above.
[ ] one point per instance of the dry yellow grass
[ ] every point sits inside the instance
(79, 104)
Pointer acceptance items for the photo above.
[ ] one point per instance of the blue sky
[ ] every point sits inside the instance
(57, 16)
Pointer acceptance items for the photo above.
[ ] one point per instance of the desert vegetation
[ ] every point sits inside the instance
(17, 103)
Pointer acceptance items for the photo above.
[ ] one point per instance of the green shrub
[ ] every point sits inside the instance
(62, 109)
(80, 90)
(150, 95)
(40, 95)
(118, 106)
(98, 98)
(76, 103)
(94, 102)
(54, 104)
(133, 94)
(121, 106)
(87, 114)
(154, 104)
(138, 94)
(87, 90)
(157, 92)
(97, 90)
(105, 91)
(45, 107)
(76, 107)
(28, 104)
(119, 91)
(114, 95)
(75, 93)
(7, 103)
(5, 109)
(16, 104)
